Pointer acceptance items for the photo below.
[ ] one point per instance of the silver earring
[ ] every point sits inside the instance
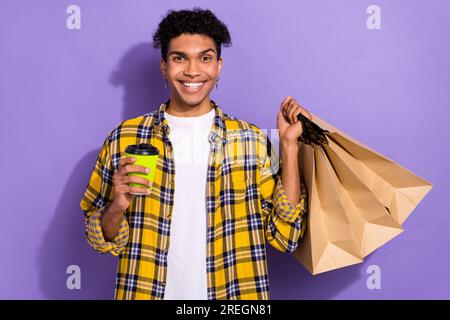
(165, 84)
(217, 82)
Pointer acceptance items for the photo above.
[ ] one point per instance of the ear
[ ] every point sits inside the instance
(163, 65)
(219, 67)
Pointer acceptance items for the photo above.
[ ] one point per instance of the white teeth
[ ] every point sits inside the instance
(192, 84)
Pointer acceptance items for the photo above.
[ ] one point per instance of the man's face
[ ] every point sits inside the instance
(192, 67)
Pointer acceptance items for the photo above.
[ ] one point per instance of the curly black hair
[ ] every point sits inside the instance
(195, 21)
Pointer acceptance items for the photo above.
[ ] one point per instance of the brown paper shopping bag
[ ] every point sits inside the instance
(358, 199)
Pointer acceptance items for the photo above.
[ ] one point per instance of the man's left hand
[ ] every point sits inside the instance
(289, 127)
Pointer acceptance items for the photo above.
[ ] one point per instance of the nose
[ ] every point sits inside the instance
(192, 69)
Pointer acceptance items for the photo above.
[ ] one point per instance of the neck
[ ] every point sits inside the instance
(180, 109)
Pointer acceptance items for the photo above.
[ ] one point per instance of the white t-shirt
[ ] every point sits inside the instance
(186, 259)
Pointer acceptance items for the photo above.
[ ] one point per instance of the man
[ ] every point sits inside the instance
(199, 232)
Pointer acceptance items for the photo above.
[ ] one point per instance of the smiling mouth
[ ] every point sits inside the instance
(192, 86)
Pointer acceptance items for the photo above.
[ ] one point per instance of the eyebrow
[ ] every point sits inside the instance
(181, 53)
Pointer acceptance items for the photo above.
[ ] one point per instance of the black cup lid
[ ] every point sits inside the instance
(143, 149)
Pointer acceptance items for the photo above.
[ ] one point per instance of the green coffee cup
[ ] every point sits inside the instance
(146, 155)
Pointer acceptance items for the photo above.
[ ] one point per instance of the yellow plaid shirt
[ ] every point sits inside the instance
(245, 205)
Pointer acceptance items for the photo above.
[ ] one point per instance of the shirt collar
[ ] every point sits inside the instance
(160, 124)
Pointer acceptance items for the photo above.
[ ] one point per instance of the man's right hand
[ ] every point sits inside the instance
(122, 196)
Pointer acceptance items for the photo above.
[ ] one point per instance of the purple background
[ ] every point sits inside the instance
(62, 91)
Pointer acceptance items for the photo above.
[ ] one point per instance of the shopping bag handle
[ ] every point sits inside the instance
(312, 133)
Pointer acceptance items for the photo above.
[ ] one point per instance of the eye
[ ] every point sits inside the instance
(178, 58)
(206, 58)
